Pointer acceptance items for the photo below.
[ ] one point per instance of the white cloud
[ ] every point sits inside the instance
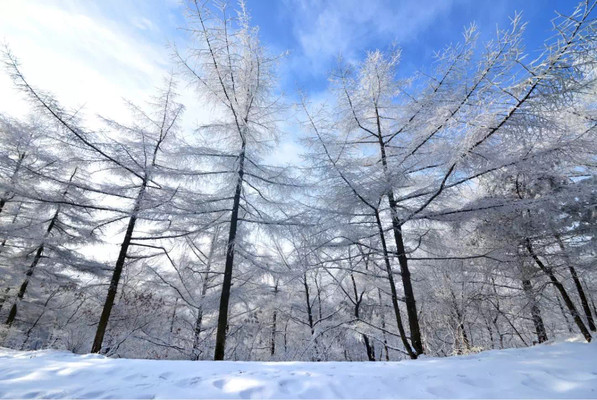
(288, 152)
(83, 56)
(326, 29)
(143, 24)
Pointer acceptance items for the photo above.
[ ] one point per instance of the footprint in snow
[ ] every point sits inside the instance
(252, 393)
(32, 395)
(165, 375)
(219, 383)
(189, 381)
(291, 386)
(91, 395)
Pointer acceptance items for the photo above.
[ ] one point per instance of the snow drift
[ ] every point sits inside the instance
(559, 370)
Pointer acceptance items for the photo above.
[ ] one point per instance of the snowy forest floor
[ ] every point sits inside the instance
(554, 370)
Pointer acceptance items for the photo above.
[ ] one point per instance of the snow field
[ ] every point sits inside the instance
(560, 370)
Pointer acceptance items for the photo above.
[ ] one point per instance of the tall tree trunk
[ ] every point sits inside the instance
(38, 254)
(369, 348)
(274, 321)
(592, 301)
(273, 338)
(527, 287)
(581, 293)
(583, 299)
(23, 288)
(199, 321)
(124, 247)
(409, 296)
(113, 288)
(286, 337)
(318, 288)
(383, 326)
(490, 331)
(227, 283)
(310, 317)
(390, 275)
(173, 315)
(197, 333)
(567, 300)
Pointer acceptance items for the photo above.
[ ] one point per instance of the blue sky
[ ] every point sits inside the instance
(93, 53)
(315, 32)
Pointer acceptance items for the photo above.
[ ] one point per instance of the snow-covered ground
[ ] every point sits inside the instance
(565, 369)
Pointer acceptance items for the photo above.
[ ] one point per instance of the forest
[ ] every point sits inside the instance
(439, 213)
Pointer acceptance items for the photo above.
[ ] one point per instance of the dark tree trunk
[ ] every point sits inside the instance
(583, 299)
(390, 275)
(197, 334)
(310, 316)
(204, 287)
(490, 331)
(581, 293)
(113, 288)
(286, 337)
(274, 321)
(383, 326)
(173, 315)
(498, 313)
(309, 308)
(23, 288)
(38, 254)
(273, 340)
(592, 302)
(465, 339)
(535, 311)
(369, 348)
(319, 309)
(124, 247)
(199, 320)
(409, 296)
(227, 283)
(567, 300)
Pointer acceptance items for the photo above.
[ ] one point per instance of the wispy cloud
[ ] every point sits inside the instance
(326, 29)
(82, 55)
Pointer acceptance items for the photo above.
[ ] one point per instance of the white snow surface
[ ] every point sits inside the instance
(558, 370)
